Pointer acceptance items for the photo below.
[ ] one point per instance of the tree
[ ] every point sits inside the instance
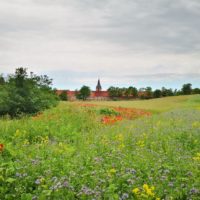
(164, 92)
(196, 91)
(113, 91)
(84, 92)
(26, 94)
(157, 93)
(148, 92)
(2, 80)
(133, 91)
(63, 96)
(187, 88)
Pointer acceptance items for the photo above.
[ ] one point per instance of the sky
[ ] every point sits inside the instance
(123, 42)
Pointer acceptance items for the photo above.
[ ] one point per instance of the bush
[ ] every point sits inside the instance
(23, 94)
(107, 111)
(63, 96)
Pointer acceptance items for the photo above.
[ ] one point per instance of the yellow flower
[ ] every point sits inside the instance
(121, 146)
(197, 157)
(113, 171)
(149, 190)
(17, 133)
(26, 142)
(145, 187)
(140, 143)
(120, 137)
(195, 124)
(136, 191)
(157, 198)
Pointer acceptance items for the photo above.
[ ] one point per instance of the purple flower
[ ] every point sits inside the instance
(194, 191)
(37, 181)
(171, 184)
(124, 196)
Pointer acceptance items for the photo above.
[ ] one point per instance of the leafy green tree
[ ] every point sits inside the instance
(112, 91)
(84, 93)
(148, 92)
(133, 91)
(116, 91)
(123, 91)
(120, 91)
(187, 88)
(167, 92)
(196, 91)
(164, 92)
(26, 94)
(157, 93)
(126, 92)
(2, 80)
(63, 96)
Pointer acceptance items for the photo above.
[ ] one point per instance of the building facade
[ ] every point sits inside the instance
(98, 94)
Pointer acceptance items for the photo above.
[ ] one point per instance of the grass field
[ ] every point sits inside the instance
(78, 152)
(156, 105)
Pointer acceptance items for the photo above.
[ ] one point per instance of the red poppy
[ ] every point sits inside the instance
(111, 119)
(1, 147)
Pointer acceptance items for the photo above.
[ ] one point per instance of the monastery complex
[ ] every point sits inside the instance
(98, 94)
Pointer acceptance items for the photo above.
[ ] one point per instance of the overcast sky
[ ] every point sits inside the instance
(124, 42)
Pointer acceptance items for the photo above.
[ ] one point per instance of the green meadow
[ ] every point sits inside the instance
(67, 152)
(156, 105)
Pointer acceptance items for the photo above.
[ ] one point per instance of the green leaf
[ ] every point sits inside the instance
(25, 196)
(10, 180)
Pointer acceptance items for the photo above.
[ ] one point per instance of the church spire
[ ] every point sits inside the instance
(98, 87)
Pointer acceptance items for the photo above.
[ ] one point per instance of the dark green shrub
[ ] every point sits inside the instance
(63, 96)
(26, 94)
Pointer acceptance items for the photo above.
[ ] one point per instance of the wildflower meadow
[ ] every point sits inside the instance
(105, 150)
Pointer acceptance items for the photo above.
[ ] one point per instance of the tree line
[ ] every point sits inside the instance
(132, 92)
(148, 92)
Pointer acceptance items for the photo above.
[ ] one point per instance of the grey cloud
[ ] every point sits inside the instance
(110, 36)
(162, 76)
(161, 26)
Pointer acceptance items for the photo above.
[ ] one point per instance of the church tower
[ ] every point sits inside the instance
(98, 87)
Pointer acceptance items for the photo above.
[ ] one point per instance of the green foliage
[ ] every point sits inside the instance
(63, 96)
(66, 153)
(196, 91)
(23, 94)
(115, 92)
(108, 111)
(131, 92)
(157, 93)
(187, 88)
(148, 92)
(83, 93)
(166, 92)
(2, 80)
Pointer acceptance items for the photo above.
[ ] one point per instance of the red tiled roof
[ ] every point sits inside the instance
(93, 93)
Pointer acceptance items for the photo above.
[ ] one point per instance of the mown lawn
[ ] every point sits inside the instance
(68, 152)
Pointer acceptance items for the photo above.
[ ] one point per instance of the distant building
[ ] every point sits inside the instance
(99, 94)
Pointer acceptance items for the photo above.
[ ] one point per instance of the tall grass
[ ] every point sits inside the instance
(67, 153)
